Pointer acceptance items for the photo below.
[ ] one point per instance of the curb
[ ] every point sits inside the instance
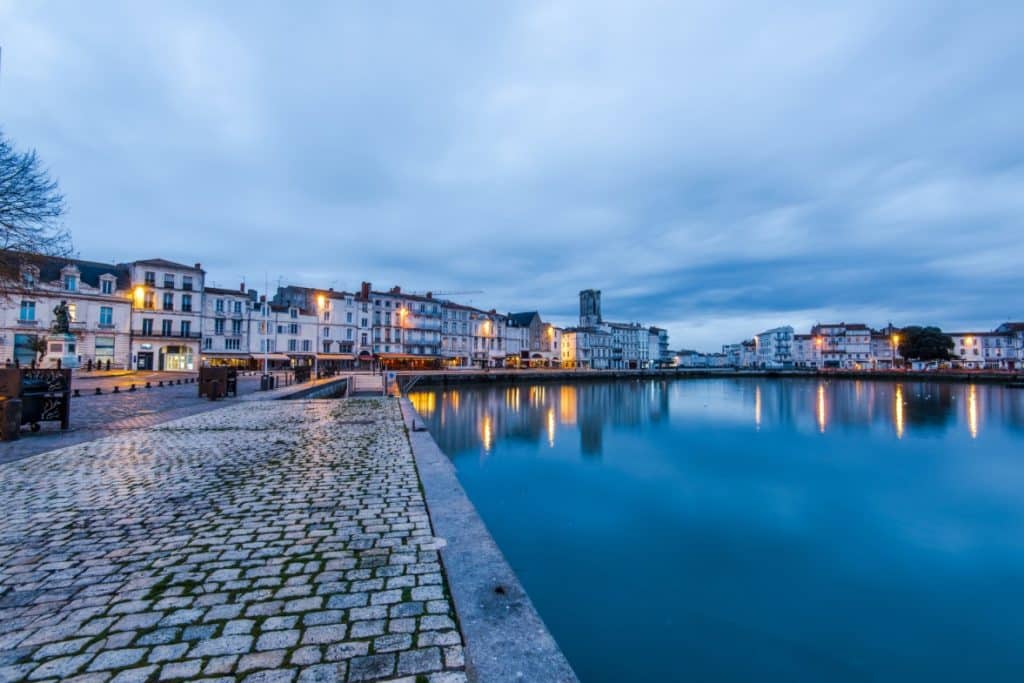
(504, 636)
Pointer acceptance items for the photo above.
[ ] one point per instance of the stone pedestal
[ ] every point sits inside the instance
(63, 347)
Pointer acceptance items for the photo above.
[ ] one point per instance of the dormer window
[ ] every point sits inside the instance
(70, 283)
(106, 285)
(29, 276)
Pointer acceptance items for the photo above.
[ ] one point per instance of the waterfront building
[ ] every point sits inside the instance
(885, 353)
(227, 329)
(98, 297)
(658, 353)
(456, 335)
(806, 354)
(774, 348)
(996, 350)
(586, 348)
(406, 328)
(741, 355)
(523, 332)
(1015, 333)
(335, 330)
(843, 345)
(166, 322)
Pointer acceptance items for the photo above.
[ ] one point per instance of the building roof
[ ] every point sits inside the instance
(1010, 327)
(226, 292)
(164, 263)
(524, 319)
(89, 271)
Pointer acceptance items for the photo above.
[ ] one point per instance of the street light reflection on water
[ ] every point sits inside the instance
(829, 530)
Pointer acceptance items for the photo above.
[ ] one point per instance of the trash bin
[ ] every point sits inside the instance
(266, 382)
(33, 393)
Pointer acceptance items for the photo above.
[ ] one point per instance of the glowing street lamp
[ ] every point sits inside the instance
(320, 300)
(895, 345)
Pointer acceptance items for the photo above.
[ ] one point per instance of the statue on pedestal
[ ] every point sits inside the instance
(61, 344)
(61, 319)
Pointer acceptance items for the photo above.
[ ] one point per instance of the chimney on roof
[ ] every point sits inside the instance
(396, 290)
(364, 290)
(199, 266)
(241, 288)
(430, 295)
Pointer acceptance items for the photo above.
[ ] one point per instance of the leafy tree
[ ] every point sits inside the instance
(31, 207)
(924, 343)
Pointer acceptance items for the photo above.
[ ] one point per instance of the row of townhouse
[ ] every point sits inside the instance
(146, 314)
(156, 314)
(856, 346)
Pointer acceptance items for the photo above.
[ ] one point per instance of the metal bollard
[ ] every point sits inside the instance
(116, 390)
(98, 391)
(132, 387)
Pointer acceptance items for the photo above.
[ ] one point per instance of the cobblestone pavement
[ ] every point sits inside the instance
(93, 416)
(269, 541)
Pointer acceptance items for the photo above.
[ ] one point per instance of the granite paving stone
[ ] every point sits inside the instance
(263, 542)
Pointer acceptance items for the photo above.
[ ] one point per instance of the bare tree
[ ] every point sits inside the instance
(31, 207)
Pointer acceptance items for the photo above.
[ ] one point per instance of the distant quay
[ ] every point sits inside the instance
(411, 379)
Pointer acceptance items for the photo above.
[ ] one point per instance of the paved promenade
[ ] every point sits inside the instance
(93, 416)
(263, 542)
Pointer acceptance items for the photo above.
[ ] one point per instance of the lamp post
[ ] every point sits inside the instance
(895, 345)
(316, 343)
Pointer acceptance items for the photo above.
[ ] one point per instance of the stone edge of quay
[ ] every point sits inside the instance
(504, 636)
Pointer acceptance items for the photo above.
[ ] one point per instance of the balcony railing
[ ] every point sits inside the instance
(161, 335)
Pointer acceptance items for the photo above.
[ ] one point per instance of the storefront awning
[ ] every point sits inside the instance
(300, 354)
(336, 356)
(405, 356)
(270, 356)
(234, 356)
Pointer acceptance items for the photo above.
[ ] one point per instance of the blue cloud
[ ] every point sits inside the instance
(713, 167)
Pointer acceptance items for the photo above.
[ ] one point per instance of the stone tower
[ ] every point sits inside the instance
(590, 307)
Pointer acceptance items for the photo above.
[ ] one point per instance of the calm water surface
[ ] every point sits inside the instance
(744, 529)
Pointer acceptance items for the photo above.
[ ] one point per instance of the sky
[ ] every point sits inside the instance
(716, 168)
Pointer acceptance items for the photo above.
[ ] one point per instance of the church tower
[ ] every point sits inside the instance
(590, 308)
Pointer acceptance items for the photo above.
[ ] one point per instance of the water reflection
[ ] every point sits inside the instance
(553, 410)
(591, 408)
(828, 530)
(897, 408)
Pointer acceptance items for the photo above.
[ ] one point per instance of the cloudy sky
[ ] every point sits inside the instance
(714, 167)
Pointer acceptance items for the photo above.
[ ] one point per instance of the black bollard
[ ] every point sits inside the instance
(132, 387)
(116, 390)
(77, 393)
(98, 391)
(161, 383)
(149, 385)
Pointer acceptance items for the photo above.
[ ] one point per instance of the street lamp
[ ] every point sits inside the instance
(895, 345)
(316, 342)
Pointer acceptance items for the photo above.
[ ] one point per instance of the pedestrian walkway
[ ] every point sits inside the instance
(266, 541)
(367, 385)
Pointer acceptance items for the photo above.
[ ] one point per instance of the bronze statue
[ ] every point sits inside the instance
(61, 319)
